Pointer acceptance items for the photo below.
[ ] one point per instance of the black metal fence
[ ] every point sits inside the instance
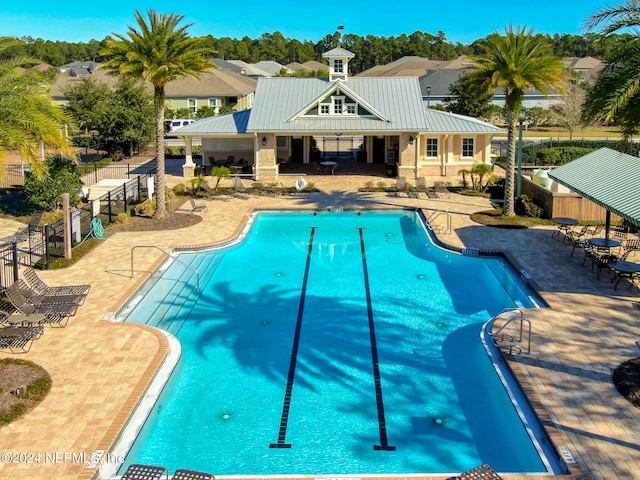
(89, 173)
(8, 264)
(92, 173)
(39, 245)
(122, 199)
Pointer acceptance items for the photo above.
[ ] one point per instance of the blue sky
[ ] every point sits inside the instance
(462, 21)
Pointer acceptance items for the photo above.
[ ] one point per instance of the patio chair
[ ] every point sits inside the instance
(182, 474)
(630, 246)
(320, 169)
(441, 189)
(577, 236)
(29, 302)
(19, 339)
(136, 471)
(483, 472)
(38, 285)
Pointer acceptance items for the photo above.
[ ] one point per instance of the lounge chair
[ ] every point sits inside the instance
(421, 187)
(194, 207)
(19, 339)
(239, 190)
(36, 298)
(29, 302)
(145, 472)
(441, 189)
(401, 187)
(39, 286)
(483, 472)
(11, 316)
(182, 474)
(213, 193)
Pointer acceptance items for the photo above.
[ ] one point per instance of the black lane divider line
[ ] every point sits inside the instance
(382, 424)
(284, 419)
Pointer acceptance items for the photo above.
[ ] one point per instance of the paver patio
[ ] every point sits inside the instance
(100, 369)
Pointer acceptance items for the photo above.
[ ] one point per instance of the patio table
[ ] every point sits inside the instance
(564, 225)
(625, 269)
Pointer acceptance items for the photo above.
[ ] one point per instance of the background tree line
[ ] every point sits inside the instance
(370, 50)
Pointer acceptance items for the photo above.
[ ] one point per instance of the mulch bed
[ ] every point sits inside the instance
(16, 374)
(626, 378)
(173, 221)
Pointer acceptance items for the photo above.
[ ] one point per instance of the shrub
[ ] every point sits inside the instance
(145, 208)
(46, 190)
(122, 217)
(560, 156)
(179, 189)
(531, 209)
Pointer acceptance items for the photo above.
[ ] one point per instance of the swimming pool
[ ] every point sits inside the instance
(334, 343)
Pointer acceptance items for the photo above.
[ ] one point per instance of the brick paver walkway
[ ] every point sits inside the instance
(100, 369)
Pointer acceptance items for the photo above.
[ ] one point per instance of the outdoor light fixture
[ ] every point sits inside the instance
(428, 95)
(411, 140)
(264, 141)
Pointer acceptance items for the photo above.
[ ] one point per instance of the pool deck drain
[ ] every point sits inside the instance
(100, 369)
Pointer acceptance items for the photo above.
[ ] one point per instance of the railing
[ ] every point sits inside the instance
(505, 340)
(168, 254)
(440, 228)
(90, 173)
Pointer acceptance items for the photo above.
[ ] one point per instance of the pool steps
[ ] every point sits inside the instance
(170, 311)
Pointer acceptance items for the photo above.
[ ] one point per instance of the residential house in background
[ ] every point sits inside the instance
(374, 120)
(310, 66)
(215, 88)
(437, 76)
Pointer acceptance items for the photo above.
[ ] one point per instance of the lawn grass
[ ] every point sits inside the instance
(612, 133)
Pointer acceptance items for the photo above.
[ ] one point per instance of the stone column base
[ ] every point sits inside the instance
(188, 170)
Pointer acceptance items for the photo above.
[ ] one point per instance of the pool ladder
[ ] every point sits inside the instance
(511, 340)
(440, 228)
(168, 254)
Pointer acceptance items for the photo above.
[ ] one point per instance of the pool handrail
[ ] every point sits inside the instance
(168, 254)
(509, 315)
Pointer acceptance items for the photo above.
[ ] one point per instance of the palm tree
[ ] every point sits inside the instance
(29, 119)
(615, 17)
(516, 62)
(615, 96)
(158, 51)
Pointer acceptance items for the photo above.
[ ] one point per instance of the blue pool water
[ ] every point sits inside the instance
(336, 343)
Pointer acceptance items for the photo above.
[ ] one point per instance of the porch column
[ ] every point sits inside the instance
(407, 164)
(188, 167)
(369, 148)
(266, 167)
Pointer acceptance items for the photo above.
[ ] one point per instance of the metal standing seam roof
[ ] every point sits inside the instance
(606, 177)
(446, 122)
(221, 125)
(277, 100)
